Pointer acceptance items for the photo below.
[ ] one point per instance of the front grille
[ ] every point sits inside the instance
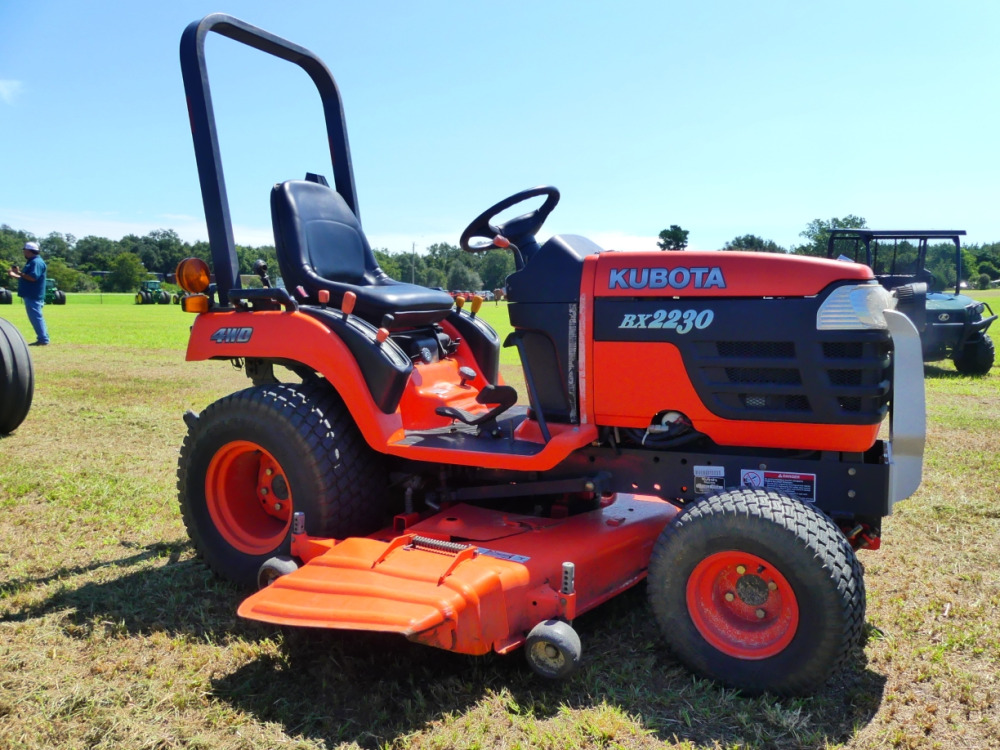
(756, 349)
(838, 381)
(843, 349)
(783, 375)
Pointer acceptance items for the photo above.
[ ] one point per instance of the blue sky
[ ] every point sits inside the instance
(725, 118)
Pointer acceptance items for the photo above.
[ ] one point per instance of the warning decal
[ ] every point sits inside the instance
(791, 483)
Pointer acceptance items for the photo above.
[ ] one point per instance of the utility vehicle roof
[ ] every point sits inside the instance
(900, 234)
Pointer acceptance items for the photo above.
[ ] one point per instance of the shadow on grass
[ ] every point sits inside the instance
(376, 689)
(934, 372)
(165, 593)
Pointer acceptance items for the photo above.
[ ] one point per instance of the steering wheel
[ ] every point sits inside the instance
(516, 230)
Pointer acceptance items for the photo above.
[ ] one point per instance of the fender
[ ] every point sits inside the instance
(297, 337)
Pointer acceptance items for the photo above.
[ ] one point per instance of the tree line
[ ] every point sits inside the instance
(100, 264)
(93, 263)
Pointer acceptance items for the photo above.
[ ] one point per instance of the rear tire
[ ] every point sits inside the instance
(17, 378)
(758, 591)
(6, 297)
(163, 298)
(59, 297)
(254, 457)
(975, 358)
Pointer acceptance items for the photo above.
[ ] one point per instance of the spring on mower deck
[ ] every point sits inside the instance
(438, 545)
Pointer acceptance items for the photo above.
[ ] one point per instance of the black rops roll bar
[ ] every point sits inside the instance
(206, 138)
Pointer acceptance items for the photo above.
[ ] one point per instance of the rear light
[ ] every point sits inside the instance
(193, 276)
(855, 308)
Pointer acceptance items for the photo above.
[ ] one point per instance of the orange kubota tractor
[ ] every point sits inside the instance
(709, 421)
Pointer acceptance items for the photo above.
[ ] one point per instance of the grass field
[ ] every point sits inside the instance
(112, 634)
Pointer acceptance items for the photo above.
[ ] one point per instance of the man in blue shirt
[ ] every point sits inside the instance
(31, 288)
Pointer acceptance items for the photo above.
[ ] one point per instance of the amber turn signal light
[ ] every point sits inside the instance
(193, 276)
(195, 303)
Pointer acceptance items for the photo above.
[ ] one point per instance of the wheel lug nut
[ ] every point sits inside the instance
(263, 490)
(772, 586)
(760, 614)
(729, 596)
(741, 569)
(277, 506)
(269, 472)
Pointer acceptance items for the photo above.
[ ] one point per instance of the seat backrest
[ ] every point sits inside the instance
(320, 246)
(317, 235)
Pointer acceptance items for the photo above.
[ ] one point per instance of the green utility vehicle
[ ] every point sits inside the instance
(952, 325)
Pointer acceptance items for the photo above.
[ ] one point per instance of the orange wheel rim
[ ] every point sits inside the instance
(248, 497)
(742, 605)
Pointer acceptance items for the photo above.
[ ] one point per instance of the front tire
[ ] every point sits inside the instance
(975, 358)
(758, 591)
(254, 457)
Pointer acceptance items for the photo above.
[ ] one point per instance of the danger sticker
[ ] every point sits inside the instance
(708, 479)
(791, 483)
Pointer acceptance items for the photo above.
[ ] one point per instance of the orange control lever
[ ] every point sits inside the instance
(347, 305)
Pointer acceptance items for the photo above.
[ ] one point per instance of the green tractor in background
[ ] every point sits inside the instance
(53, 295)
(151, 293)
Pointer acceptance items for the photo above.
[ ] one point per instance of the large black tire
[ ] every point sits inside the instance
(17, 378)
(975, 358)
(758, 591)
(254, 457)
(59, 297)
(6, 297)
(163, 298)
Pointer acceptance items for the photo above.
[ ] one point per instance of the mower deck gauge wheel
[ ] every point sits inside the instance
(553, 649)
(275, 568)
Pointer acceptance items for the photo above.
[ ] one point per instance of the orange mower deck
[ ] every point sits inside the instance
(467, 579)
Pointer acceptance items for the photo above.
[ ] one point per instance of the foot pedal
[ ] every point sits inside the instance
(502, 396)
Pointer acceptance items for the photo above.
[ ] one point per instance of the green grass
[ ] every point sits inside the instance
(113, 635)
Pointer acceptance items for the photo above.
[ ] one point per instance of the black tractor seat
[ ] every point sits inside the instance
(320, 245)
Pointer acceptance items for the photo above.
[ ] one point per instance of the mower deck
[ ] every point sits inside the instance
(467, 579)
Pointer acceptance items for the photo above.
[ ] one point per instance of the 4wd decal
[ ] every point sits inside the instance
(680, 321)
(232, 335)
(681, 277)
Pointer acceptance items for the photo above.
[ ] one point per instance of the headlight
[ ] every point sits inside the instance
(855, 308)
